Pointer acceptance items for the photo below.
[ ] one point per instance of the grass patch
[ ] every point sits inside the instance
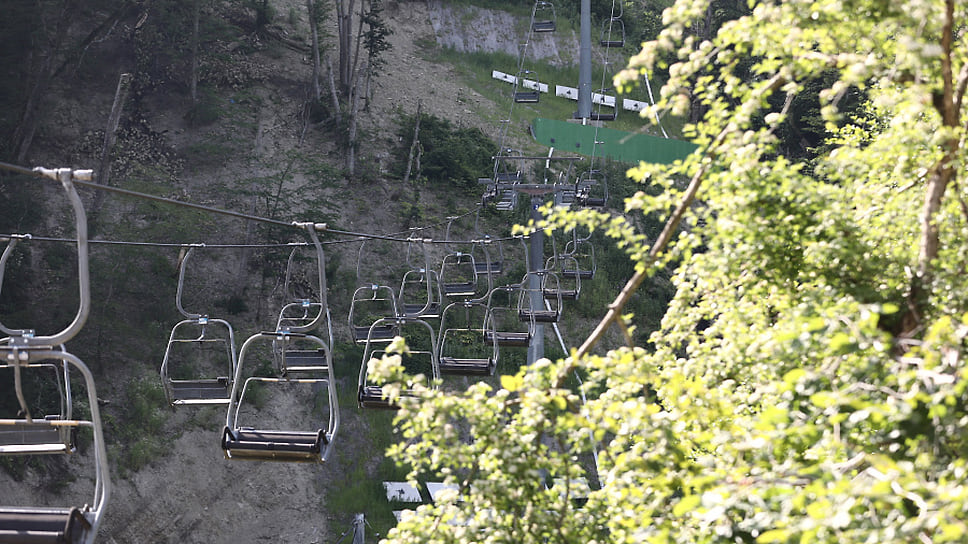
(476, 68)
(359, 488)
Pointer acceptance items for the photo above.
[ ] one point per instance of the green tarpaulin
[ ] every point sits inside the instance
(617, 144)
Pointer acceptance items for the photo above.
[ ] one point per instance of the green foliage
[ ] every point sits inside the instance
(137, 435)
(375, 37)
(807, 382)
(451, 155)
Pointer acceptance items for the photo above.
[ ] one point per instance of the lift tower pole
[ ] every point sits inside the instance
(585, 63)
(535, 258)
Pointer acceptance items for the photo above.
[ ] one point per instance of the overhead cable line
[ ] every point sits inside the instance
(155, 244)
(28, 236)
(51, 175)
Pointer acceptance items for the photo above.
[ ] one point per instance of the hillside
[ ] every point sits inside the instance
(170, 480)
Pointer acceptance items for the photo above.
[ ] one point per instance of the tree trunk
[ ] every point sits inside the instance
(111, 131)
(337, 116)
(351, 143)
(314, 35)
(193, 82)
(344, 28)
(942, 175)
(23, 134)
(414, 143)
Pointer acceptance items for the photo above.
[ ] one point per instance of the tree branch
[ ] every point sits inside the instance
(941, 176)
(670, 228)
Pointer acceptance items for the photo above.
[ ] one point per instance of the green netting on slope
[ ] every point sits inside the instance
(617, 144)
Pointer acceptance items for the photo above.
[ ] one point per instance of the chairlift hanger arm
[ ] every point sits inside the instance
(68, 178)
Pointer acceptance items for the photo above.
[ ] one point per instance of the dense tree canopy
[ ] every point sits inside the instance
(808, 381)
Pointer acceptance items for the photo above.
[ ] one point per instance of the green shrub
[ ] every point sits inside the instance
(451, 155)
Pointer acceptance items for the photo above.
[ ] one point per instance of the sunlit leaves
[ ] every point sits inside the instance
(794, 392)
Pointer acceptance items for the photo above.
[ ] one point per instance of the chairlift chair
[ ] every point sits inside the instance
(527, 95)
(421, 358)
(603, 115)
(613, 33)
(458, 275)
(543, 17)
(419, 294)
(565, 194)
(464, 347)
(305, 307)
(509, 200)
(564, 190)
(488, 265)
(599, 115)
(298, 356)
(488, 252)
(27, 434)
(506, 177)
(569, 286)
(199, 342)
(24, 351)
(591, 189)
(501, 323)
(306, 311)
(550, 292)
(197, 346)
(247, 442)
(583, 253)
(369, 304)
(505, 199)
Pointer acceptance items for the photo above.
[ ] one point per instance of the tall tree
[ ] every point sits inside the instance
(808, 382)
(359, 55)
(313, 12)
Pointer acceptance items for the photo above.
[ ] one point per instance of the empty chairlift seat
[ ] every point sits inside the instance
(528, 88)
(38, 436)
(543, 17)
(613, 33)
(591, 190)
(312, 440)
(52, 525)
(582, 261)
(200, 357)
(305, 360)
(458, 275)
(502, 325)
(569, 286)
(369, 304)
(421, 359)
(198, 345)
(465, 349)
(549, 293)
(51, 433)
(419, 294)
(248, 443)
